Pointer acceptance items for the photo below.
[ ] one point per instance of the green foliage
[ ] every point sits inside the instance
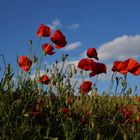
(28, 113)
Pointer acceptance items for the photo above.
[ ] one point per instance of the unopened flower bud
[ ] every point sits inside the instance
(63, 58)
(35, 59)
(71, 74)
(123, 83)
(66, 55)
(81, 72)
(30, 42)
(74, 71)
(56, 61)
(47, 70)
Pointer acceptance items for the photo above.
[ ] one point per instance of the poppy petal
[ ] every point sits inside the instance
(43, 31)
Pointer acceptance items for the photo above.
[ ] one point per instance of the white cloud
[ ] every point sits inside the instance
(73, 46)
(55, 24)
(75, 62)
(83, 54)
(73, 26)
(120, 48)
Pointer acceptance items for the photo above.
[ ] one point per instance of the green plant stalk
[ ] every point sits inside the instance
(4, 62)
(112, 82)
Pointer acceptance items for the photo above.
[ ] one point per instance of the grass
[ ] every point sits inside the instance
(27, 111)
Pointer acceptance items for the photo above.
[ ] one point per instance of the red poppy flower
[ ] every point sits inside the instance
(135, 71)
(25, 63)
(44, 79)
(85, 87)
(86, 64)
(59, 39)
(126, 112)
(44, 31)
(133, 67)
(92, 53)
(129, 65)
(120, 67)
(64, 110)
(48, 49)
(98, 69)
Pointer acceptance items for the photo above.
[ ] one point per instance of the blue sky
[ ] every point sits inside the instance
(108, 25)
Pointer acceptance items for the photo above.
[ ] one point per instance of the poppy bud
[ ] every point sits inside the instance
(35, 59)
(74, 71)
(63, 58)
(47, 70)
(81, 72)
(129, 91)
(70, 75)
(123, 83)
(56, 61)
(30, 42)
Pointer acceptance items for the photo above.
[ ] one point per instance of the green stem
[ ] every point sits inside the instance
(4, 61)
(112, 82)
(85, 76)
(30, 52)
(94, 86)
(37, 45)
(41, 58)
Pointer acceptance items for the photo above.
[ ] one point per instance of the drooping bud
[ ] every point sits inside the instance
(74, 71)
